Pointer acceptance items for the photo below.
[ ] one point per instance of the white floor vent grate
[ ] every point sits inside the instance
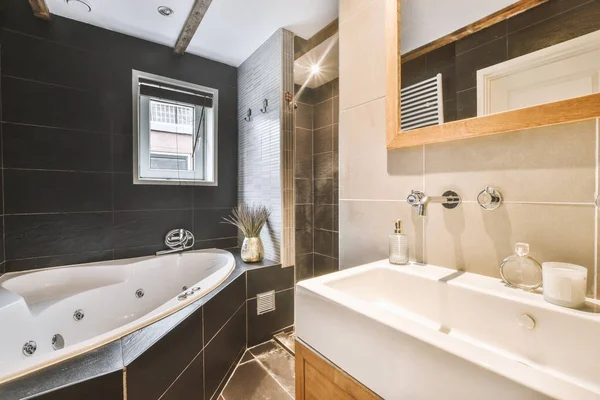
(265, 302)
(422, 104)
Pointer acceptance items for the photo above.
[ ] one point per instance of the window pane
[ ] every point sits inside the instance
(171, 136)
(171, 162)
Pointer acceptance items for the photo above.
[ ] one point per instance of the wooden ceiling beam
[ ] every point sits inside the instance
(40, 9)
(318, 38)
(191, 25)
(499, 16)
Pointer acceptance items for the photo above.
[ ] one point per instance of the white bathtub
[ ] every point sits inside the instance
(36, 305)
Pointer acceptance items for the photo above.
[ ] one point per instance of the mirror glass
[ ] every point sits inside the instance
(175, 134)
(548, 53)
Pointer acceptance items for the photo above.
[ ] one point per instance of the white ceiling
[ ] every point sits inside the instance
(230, 32)
(423, 21)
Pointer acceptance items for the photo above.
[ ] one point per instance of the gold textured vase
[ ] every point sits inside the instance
(252, 250)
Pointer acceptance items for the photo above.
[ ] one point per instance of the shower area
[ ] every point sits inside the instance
(316, 112)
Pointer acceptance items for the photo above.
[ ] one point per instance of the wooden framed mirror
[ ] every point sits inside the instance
(546, 71)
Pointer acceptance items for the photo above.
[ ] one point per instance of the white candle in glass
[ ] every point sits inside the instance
(564, 284)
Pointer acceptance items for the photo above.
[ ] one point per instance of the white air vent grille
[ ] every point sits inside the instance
(265, 302)
(422, 104)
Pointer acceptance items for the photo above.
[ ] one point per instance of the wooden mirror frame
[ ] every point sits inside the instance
(560, 112)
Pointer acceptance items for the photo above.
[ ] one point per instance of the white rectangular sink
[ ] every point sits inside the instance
(425, 332)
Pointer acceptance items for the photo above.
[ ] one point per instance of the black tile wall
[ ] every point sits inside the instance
(317, 192)
(222, 307)
(221, 353)
(67, 146)
(270, 278)
(548, 24)
(190, 385)
(262, 327)
(151, 374)
(107, 387)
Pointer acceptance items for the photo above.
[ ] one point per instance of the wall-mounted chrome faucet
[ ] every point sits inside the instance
(420, 200)
(178, 240)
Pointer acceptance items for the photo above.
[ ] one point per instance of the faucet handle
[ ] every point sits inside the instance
(414, 198)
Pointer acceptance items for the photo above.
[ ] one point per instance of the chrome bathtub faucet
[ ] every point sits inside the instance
(178, 240)
(449, 200)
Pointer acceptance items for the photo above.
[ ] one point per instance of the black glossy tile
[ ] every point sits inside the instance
(262, 327)
(304, 150)
(336, 137)
(323, 114)
(323, 140)
(304, 216)
(414, 71)
(305, 95)
(222, 243)
(323, 92)
(107, 387)
(208, 224)
(35, 147)
(304, 266)
(466, 104)
(336, 110)
(247, 357)
(128, 196)
(336, 247)
(323, 191)
(63, 65)
(336, 217)
(304, 241)
(324, 242)
(542, 12)
(25, 264)
(450, 110)
(560, 28)
(441, 59)
(253, 382)
(323, 165)
(190, 385)
(151, 374)
(304, 116)
(482, 37)
(122, 153)
(28, 191)
(224, 195)
(56, 234)
(468, 63)
(336, 86)
(27, 102)
(324, 265)
(133, 252)
(269, 278)
(303, 191)
(324, 216)
(147, 228)
(223, 352)
(220, 308)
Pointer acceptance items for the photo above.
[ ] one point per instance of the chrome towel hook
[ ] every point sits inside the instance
(265, 105)
(249, 115)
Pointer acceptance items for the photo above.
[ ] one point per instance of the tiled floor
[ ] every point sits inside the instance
(286, 339)
(265, 372)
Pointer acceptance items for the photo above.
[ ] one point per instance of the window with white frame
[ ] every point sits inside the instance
(175, 133)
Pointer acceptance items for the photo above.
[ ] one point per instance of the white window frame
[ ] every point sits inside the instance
(202, 175)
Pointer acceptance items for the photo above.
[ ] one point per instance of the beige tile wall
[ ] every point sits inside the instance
(548, 177)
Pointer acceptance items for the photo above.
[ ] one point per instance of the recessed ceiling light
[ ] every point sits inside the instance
(165, 11)
(315, 69)
(79, 5)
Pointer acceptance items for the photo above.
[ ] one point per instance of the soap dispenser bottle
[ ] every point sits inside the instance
(398, 245)
(520, 270)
